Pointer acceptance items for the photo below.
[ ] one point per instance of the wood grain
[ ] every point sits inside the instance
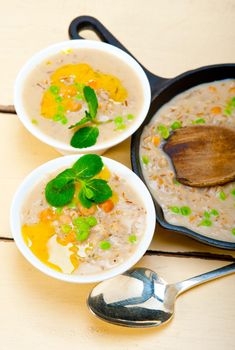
(202, 155)
(42, 313)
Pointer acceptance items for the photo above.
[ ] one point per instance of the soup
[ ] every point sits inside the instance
(209, 211)
(82, 239)
(55, 99)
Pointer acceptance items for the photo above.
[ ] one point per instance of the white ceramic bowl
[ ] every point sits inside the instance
(52, 166)
(62, 147)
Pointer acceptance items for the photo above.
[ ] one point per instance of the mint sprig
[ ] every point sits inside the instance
(86, 136)
(92, 102)
(60, 190)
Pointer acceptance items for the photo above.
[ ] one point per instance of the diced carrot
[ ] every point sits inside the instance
(71, 105)
(156, 140)
(232, 90)
(47, 215)
(74, 249)
(212, 88)
(160, 181)
(216, 110)
(192, 218)
(70, 237)
(87, 211)
(92, 84)
(107, 206)
(74, 260)
(61, 241)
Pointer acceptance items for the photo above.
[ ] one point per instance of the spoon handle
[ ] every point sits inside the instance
(205, 277)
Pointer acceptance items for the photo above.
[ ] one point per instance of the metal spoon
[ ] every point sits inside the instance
(140, 298)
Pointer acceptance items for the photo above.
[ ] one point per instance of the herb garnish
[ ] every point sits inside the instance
(60, 190)
(86, 136)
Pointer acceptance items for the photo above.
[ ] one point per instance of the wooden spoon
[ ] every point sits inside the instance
(202, 155)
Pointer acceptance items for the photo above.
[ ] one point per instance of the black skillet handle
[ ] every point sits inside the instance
(91, 23)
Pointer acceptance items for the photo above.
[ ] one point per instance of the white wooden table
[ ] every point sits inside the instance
(37, 312)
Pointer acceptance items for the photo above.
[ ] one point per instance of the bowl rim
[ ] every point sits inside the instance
(51, 50)
(219, 69)
(38, 174)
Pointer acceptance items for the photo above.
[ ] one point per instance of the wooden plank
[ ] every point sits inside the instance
(169, 38)
(20, 154)
(41, 313)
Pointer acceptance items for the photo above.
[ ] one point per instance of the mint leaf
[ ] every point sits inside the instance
(57, 195)
(101, 190)
(64, 177)
(85, 137)
(91, 100)
(85, 202)
(88, 166)
(61, 189)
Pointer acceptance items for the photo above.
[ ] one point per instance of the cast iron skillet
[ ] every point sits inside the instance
(162, 91)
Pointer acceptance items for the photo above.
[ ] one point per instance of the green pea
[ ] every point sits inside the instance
(233, 231)
(91, 220)
(199, 121)
(54, 89)
(58, 99)
(130, 116)
(164, 132)
(233, 102)
(185, 211)
(206, 222)
(176, 125)
(118, 120)
(228, 111)
(207, 214)
(222, 196)
(105, 245)
(58, 117)
(79, 220)
(82, 235)
(34, 121)
(60, 109)
(214, 212)
(84, 226)
(121, 127)
(233, 192)
(64, 120)
(175, 210)
(145, 160)
(132, 239)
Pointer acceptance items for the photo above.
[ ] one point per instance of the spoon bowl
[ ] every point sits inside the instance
(141, 298)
